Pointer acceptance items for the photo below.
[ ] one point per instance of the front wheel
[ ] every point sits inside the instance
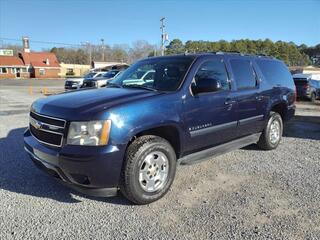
(272, 134)
(148, 170)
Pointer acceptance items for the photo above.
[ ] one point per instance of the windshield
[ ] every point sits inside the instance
(90, 75)
(110, 74)
(161, 74)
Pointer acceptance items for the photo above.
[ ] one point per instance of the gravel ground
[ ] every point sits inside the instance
(245, 194)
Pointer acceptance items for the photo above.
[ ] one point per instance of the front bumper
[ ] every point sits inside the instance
(90, 170)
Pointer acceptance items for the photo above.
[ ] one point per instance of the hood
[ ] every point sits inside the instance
(84, 104)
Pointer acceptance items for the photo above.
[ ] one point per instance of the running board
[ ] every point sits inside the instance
(218, 150)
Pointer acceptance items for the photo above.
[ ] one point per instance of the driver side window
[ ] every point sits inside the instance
(213, 69)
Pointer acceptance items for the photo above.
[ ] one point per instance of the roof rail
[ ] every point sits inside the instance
(229, 52)
(233, 53)
(247, 54)
(264, 55)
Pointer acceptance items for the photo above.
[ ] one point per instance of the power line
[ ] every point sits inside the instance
(42, 42)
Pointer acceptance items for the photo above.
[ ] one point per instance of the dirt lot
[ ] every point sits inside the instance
(245, 194)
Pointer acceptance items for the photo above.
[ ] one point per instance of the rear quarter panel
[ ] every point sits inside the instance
(281, 92)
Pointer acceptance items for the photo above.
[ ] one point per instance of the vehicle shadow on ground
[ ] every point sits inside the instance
(18, 174)
(305, 127)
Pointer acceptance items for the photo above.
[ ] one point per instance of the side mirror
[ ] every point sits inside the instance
(206, 85)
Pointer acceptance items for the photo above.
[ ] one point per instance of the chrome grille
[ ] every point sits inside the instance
(47, 130)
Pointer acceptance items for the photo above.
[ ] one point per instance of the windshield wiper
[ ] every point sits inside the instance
(139, 86)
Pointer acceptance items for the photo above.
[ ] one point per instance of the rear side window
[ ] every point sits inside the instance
(275, 72)
(244, 74)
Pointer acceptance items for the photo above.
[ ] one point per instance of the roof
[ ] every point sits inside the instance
(40, 59)
(10, 61)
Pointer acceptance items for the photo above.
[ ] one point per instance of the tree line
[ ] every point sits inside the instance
(94, 52)
(116, 53)
(289, 52)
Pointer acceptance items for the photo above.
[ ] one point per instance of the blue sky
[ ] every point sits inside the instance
(122, 22)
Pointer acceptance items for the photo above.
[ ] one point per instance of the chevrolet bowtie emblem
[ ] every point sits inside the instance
(36, 124)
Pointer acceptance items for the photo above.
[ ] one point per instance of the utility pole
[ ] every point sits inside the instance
(102, 48)
(162, 27)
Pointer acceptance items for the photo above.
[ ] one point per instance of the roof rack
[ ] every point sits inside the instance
(232, 53)
(229, 52)
(246, 54)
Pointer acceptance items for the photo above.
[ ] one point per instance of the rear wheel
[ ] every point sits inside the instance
(272, 134)
(149, 169)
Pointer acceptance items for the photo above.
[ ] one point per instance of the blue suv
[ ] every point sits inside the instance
(132, 134)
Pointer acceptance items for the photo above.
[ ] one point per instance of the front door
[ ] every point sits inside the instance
(210, 117)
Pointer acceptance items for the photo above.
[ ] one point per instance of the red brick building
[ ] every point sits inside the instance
(41, 64)
(12, 67)
(30, 65)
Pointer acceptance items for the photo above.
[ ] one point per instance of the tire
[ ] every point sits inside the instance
(268, 140)
(139, 171)
(313, 98)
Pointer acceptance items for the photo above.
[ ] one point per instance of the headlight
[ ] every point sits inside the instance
(93, 133)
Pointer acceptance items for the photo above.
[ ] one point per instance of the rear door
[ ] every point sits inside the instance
(250, 114)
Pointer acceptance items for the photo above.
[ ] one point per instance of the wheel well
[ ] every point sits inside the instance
(170, 133)
(280, 108)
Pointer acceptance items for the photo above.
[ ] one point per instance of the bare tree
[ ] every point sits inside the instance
(140, 49)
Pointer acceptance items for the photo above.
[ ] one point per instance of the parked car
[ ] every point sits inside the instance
(130, 137)
(307, 88)
(76, 83)
(141, 77)
(100, 81)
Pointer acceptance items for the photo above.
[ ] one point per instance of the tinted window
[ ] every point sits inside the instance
(244, 74)
(110, 74)
(90, 75)
(275, 72)
(214, 69)
(300, 81)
